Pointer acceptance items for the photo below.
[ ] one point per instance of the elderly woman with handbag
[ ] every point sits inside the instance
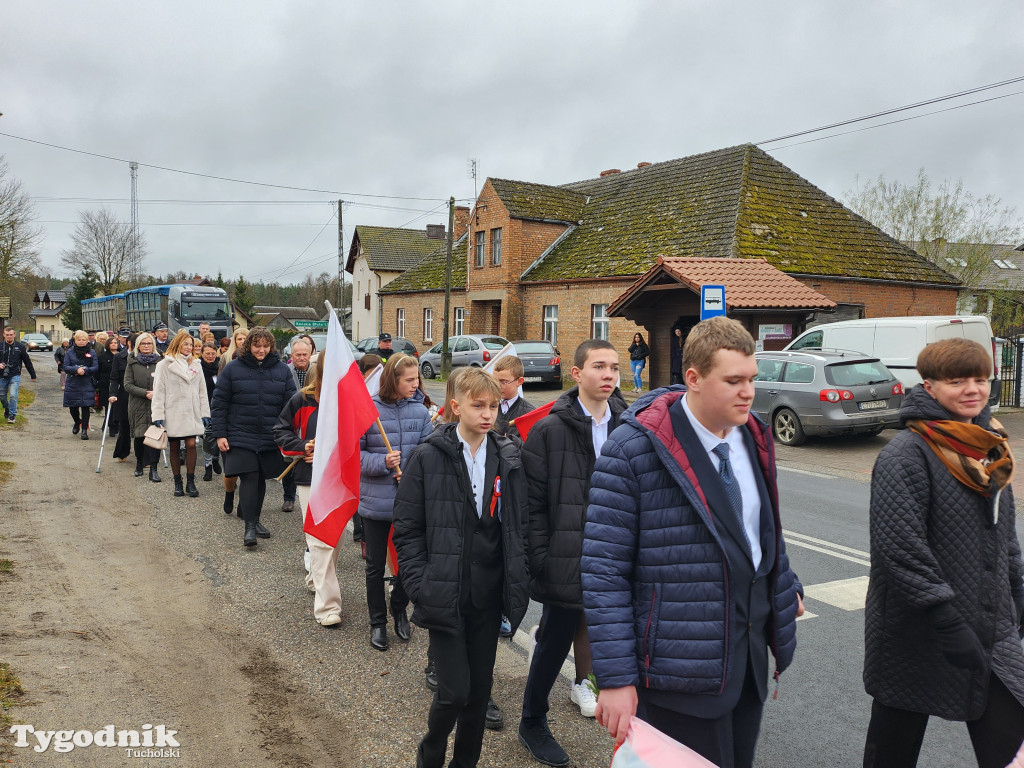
(181, 407)
(943, 613)
(138, 383)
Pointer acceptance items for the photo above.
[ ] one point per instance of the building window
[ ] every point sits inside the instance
(479, 249)
(428, 324)
(551, 323)
(460, 321)
(496, 247)
(400, 323)
(599, 321)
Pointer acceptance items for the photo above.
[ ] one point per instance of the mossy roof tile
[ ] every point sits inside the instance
(393, 249)
(735, 202)
(526, 200)
(428, 273)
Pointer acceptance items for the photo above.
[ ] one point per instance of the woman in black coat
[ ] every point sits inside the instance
(676, 356)
(209, 359)
(638, 354)
(105, 358)
(81, 366)
(119, 398)
(943, 612)
(250, 393)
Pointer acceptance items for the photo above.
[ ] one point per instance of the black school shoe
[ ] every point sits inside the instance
(541, 744)
(493, 719)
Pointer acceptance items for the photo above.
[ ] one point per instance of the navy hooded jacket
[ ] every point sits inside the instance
(655, 577)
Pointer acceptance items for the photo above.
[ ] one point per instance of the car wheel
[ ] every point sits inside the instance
(787, 428)
(875, 432)
(428, 371)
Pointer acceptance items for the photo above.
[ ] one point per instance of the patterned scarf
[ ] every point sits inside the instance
(152, 357)
(978, 458)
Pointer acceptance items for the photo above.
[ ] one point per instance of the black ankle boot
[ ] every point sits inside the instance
(261, 530)
(190, 486)
(178, 489)
(249, 539)
(208, 474)
(139, 470)
(229, 502)
(153, 476)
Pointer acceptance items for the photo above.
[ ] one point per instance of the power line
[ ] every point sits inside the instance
(191, 224)
(218, 178)
(894, 110)
(901, 120)
(332, 217)
(201, 202)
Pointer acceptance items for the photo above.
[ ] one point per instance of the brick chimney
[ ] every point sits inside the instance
(610, 172)
(461, 221)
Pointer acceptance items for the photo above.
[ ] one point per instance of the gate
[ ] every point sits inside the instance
(1010, 369)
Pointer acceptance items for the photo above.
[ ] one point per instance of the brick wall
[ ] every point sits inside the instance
(414, 304)
(887, 299)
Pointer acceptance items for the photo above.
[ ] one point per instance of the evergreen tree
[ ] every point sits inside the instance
(219, 282)
(243, 295)
(85, 287)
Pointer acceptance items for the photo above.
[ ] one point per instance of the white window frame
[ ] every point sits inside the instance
(459, 321)
(400, 323)
(599, 325)
(428, 324)
(551, 324)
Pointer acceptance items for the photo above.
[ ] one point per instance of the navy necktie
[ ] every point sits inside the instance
(732, 487)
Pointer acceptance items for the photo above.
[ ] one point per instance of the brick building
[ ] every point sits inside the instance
(540, 261)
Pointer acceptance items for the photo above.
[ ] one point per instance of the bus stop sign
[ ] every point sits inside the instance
(712, 301)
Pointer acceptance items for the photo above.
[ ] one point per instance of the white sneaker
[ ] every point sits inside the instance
(583, 697)
(330, 620)
(533, 645)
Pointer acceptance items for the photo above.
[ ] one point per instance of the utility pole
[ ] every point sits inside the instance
(134, 262)
(341, 267)
(446, 353)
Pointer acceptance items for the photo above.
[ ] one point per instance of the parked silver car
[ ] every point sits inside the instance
(825, 392)
(474, 349)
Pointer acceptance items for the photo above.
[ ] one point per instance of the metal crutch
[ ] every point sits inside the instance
(163, 453)
(103, 442)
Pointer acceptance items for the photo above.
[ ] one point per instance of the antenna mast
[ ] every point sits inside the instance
(134, 259)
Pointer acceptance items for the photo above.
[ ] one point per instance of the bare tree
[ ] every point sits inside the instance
(949, 226)
(19, 235)
(103, 244)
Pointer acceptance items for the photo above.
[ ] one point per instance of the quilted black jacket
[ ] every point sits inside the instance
(559, 460)
(429, 516)
(932, 541)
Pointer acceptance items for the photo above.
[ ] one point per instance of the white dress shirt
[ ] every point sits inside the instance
(506, 405)
(743, 471)
(599, 429)
(477, 466)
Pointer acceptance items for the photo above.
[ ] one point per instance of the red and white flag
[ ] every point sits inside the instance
(345, 412)
(509, 350)
(525, 422)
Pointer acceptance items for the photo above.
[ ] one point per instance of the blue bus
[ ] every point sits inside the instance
(181, 305)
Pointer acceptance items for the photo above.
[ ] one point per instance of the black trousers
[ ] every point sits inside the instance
(123, 446)
(252, 489)
(895, 735)
(729, 741)
(464, 663)
(144, 455)
(376, 533)
(554, 639)
(80, 415)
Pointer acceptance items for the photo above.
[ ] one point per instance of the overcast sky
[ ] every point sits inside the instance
(391, 99)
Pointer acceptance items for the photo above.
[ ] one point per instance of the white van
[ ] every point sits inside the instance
(896, 341)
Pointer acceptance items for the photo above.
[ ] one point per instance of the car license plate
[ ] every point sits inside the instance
(873, 405)
(531, 379)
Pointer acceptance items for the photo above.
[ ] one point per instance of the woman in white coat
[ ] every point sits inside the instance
(180, 406)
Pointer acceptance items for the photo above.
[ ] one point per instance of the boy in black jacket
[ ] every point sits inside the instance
(460, 531)
(559, 457)
(509, 372)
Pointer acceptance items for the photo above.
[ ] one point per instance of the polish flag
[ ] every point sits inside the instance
(525, 422)
(509, 350)
(346, 411)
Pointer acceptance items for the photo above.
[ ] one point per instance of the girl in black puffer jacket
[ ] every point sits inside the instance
(250, 393)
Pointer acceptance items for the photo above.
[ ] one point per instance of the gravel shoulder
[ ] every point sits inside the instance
(129, 606)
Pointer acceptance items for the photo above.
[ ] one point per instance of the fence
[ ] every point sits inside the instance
(1011, 367)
